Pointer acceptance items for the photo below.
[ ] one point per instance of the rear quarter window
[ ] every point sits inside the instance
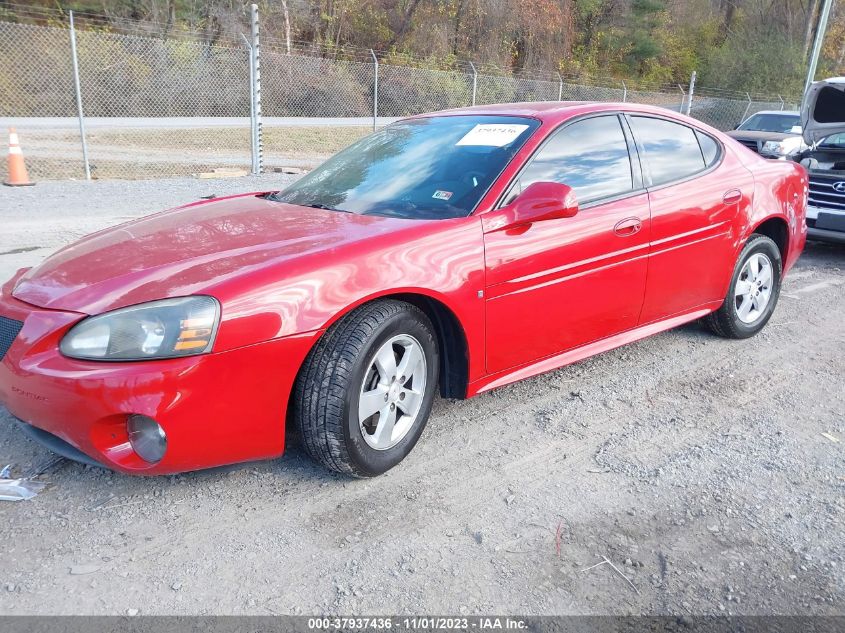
(709, 148)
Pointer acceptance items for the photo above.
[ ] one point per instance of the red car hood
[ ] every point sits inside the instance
(186, 251)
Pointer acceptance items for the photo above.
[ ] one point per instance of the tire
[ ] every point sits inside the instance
(727, 320)
(342, 378)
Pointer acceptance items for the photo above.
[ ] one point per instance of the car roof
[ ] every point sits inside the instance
(555, 111)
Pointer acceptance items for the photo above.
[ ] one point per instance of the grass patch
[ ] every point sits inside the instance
(290, 141)
(160, 153)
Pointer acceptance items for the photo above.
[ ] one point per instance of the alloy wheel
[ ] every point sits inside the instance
(753, 289)
(392, 392)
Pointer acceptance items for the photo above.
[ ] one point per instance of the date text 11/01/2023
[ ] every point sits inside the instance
(423, 623)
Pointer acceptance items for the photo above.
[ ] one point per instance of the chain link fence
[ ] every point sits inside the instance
(726, 113)
(157, 107)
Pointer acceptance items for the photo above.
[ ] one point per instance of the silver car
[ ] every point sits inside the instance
(771, 133)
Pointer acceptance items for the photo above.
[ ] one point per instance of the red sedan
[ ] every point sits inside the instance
(458, 251)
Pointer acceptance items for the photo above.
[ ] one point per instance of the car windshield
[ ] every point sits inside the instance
(781, 123)
(836, 141)
(428, 168)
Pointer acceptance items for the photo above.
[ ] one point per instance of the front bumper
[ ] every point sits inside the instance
(826, 225)
(822, 235)
(218, 408)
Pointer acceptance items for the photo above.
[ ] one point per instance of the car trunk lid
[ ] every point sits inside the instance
(823, 110)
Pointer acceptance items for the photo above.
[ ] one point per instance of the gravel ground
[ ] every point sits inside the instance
(694, 465)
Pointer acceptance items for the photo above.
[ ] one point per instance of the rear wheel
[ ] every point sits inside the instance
(364, 394)
(753, 293)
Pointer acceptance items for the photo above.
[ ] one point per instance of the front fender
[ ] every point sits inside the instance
(442, 260)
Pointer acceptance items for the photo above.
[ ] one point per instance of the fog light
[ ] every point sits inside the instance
(146, 437)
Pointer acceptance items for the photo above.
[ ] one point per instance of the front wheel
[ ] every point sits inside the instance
(364, 394)
(753, 293)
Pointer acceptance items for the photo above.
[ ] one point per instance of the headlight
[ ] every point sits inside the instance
(785, 147)
(160, 329)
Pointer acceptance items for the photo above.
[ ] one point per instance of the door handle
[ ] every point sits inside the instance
(627, 227)
(732, 197)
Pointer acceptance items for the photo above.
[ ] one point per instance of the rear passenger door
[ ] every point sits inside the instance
(695, 197)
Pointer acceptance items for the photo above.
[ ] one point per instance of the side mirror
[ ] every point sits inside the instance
(540, 201)
(544, 201)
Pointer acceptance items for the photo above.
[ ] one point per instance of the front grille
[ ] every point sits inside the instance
(9, 329)
(823, 195)
(752, 145)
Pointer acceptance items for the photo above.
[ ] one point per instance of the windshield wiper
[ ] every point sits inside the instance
(316, 205)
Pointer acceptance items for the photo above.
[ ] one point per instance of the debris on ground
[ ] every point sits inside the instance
(19, 489)
(607, 561)
(223, 172)
(25, 488)
(84, 570)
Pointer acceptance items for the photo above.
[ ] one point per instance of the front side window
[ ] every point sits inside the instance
(591, 156)
(671, 149)
(429, 168)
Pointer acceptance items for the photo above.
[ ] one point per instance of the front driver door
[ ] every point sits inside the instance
(557, 284)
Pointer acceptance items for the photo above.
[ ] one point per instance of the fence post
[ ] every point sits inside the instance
(78, 91)
(256, 89)
(375, 88)
(559, 87)
(683, 98)
(624, 93)
(691, 92)
(747, 108)
(474, 81)
(253, 149)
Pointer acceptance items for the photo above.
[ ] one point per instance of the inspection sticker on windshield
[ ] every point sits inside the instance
(442, 195)
(492, 134)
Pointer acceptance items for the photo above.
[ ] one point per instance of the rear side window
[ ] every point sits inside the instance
(709, 147)
(671, 149)
(591, 156)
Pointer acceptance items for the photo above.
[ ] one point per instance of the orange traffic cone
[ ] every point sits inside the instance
(17, 169)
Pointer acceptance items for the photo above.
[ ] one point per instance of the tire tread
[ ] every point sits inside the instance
(320, 390)
(721, 321)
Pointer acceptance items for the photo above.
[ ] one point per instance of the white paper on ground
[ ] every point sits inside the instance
(492, 134)
(19, 489)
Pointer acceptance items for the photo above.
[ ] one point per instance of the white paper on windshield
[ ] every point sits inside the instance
(492, 134)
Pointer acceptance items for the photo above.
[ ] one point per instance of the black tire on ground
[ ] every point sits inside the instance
(325, 405)
(725, 321)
